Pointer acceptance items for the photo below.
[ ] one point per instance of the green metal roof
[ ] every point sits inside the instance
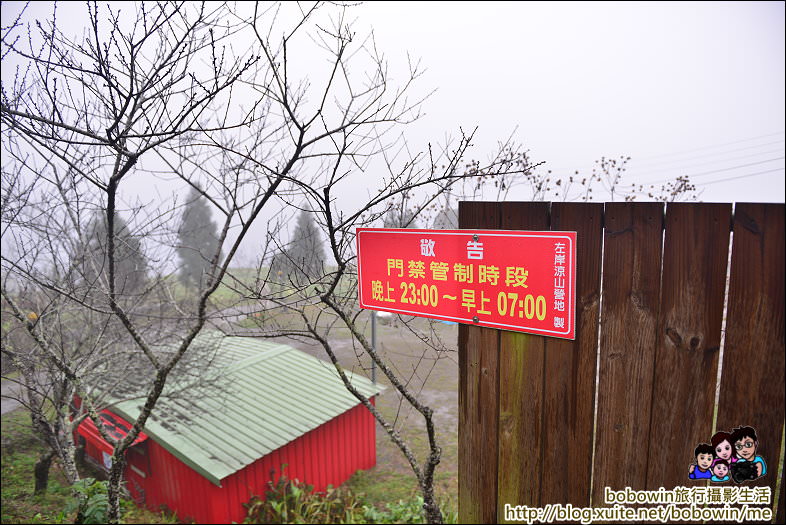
(272, 395)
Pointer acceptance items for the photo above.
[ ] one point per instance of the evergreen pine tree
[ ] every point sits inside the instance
(303, 261)
(130, 262)
(197, 241)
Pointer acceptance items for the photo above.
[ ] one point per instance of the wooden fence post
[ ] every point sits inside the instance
(478, 398)
(521, 362)
(631, 291)
(752, 379)
(569, 379)
(695, 256)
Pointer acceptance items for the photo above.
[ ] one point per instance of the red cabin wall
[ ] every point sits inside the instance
(170, 482)
(327, 455)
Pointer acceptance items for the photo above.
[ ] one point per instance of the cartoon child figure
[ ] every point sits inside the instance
(700, 469)
(720, 471)
(723, 447)
(745, 444)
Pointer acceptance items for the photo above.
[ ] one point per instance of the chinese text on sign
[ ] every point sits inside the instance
(511, 280)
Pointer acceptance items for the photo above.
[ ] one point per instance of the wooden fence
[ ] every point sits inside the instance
(649, 326)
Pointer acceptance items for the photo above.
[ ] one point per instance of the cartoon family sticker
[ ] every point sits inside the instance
(730, 455)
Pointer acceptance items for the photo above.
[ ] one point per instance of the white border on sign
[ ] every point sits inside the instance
(497, 233)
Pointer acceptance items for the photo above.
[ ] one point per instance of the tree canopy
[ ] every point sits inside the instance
(302, 261)
(198, 242)
(130, 263)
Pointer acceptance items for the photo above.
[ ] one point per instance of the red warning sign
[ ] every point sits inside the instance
(511, 280)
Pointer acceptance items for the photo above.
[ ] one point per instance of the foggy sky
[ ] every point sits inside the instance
(682, 88)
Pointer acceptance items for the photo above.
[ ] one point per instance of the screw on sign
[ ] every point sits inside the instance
(512, 280)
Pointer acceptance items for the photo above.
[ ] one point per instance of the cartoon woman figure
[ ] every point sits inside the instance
(722, 448)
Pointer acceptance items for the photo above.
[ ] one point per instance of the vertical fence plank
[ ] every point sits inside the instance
(781, 515)
(521, 362)
(478, 398)
(695, 257)
(752, 379)
(631, 285)
(569, 396)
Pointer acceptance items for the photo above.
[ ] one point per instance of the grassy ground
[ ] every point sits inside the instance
(20, 451)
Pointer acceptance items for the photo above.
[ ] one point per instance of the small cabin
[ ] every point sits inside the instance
(203, 456)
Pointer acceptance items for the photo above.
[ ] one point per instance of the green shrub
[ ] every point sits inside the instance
(92, 504)
(290, 501)
(403, 511)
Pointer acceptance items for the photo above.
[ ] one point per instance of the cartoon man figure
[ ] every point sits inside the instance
(700, 469)
(720, 471)
(746, 443)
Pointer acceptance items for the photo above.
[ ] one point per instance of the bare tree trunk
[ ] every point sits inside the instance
(115, 479)
(67, 456)
(433, 512)
(42, 471)
(79, 456)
